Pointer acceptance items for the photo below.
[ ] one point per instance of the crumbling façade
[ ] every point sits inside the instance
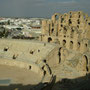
(63, 50)
(71, 31)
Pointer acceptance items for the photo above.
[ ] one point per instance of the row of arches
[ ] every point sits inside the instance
(64, 44)
(71, 44)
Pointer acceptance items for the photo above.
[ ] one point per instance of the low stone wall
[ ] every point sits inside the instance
(30, 66)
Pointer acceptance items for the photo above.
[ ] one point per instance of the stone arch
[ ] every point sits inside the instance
(78, 21)
(64, 30)
(70, 21)
(49, 39)
(79, 44)
(71, 44)
(52, 30)
(85, 46)
(56, 17)
(30, 67)
(85, 58)
(64, 43)
(72, 33)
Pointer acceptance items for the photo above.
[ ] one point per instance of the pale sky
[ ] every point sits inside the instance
(41, 8)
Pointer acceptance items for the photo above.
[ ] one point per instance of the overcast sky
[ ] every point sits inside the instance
(41, 8)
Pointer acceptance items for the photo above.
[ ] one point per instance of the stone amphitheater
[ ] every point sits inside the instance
(63, 50)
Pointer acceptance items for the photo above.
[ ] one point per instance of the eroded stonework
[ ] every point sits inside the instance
(71, 31)
(63, 50)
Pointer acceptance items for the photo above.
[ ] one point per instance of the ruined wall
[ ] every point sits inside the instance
(35, 56)
(71, 31)
(68, 30)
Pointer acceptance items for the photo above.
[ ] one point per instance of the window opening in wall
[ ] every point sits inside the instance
(30, 67)
(61, 25)
(86, 44)
(52, 30)
(43, 67)
(56, 17)
(64, 43)
(44, 61)
(71, 44)
(78, 21)
(6, 49)
(77, 26)
(31, 52)
(79, 16)
(62, 19)
(70, 22)
(38, 50)
(88, 23)
(64, 35)
(59, 53)
(44, 72)
(78, 45)
(72, 33)
(14, 56)
(49, 39)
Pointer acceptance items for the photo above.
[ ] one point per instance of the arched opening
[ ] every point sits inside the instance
(31, 52)
(30, 67)
(78, 21)
(62, 19)
(14, 56)
(88, 23)
(52, 30)
(64, 43)
(56, 17)
(65, 30)
(70, 22)
(6, 49)
(79, 15)
(71, 44)
(77, 26)
(49, 39)
(59, 53)
(72, 33)
(86, 60)
(38, 50)
(44, 61)
(78, 45)
(85, 46)
(61, 25)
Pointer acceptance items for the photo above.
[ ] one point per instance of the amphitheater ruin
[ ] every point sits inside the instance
(63, 49)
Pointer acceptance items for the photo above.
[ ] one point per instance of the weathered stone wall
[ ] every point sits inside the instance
(68, 30)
